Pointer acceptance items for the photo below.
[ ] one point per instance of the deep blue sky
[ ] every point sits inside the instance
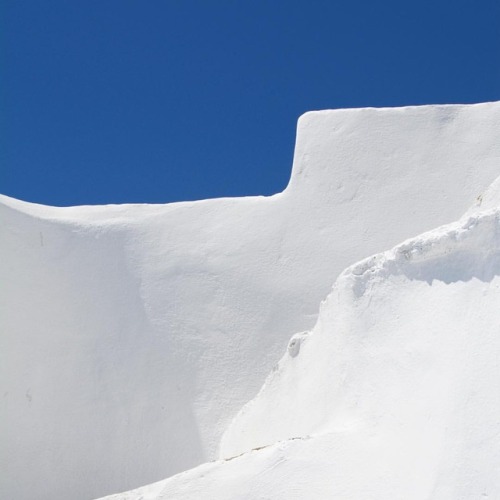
(111, 101)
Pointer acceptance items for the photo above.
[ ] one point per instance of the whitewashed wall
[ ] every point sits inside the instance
(131, 335)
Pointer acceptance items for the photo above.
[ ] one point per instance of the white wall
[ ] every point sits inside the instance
(133, 334)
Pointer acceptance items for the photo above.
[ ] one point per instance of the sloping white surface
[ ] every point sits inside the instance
(405, 337)
(133, 334)
(395, 392)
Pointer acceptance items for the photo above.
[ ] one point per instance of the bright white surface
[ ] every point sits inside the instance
(395, 392)
(407, 338)
(133, 334)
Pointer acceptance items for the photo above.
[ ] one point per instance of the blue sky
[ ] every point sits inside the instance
(113, 101)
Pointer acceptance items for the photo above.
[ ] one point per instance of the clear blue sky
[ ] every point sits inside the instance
(112, 101)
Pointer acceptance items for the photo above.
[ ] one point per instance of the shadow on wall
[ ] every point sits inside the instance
(472, 251)
(469, 249)
(81, 376)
